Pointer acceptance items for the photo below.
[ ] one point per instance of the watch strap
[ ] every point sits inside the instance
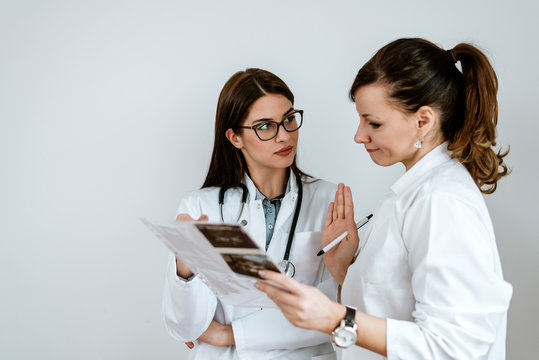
(350, 317)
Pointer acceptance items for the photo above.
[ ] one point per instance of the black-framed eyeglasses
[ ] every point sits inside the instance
(267, 130)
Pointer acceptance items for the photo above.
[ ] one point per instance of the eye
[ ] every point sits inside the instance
(373, 124)
(263, 126)
(290, 118)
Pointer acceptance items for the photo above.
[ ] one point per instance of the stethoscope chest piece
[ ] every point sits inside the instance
(287, 268)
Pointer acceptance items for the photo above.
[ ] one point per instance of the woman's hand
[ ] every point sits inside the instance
(217, 335)
(181, 269)
(304, 306)
(340, 218)
(307, 307)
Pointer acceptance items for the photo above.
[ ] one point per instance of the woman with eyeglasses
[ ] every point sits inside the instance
(427, 282)
(253, 180)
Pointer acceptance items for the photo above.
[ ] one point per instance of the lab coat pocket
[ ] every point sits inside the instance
(309, 267)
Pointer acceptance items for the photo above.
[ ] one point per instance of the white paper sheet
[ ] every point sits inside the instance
(212, 251)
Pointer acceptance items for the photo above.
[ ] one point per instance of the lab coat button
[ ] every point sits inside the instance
(243, 222)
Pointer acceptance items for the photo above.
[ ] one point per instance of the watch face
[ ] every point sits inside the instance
(344, 337)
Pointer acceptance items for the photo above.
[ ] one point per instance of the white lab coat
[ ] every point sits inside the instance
(429, 264)
(190, 306)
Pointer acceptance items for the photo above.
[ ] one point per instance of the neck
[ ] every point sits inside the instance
(427, 147)
(270, 182)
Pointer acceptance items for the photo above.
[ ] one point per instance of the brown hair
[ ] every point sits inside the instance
(227, 165)
(418, 73)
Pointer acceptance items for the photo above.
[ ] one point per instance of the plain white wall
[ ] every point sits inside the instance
(106, 115)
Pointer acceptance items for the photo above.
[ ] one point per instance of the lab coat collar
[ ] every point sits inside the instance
(432, 159)
(291, 187)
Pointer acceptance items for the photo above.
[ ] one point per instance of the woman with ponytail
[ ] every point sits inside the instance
(426, 282)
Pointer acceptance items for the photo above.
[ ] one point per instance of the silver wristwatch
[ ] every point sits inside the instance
(345, 334)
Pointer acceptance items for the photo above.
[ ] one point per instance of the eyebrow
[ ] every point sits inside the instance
(369, 115)
(270, 119)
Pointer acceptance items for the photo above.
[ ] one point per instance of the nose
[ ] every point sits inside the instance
(282, 134)
(361, 136)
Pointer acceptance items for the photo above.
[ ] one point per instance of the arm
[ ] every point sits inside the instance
(181, 269)
(307, 307)
(188, 304)
(461, 297)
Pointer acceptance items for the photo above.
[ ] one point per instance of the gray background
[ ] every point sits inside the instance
(106, 115)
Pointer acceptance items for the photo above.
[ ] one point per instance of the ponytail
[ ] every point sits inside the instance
(473, 143)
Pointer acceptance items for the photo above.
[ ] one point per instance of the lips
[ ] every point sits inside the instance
(371, 150)
(284, 151)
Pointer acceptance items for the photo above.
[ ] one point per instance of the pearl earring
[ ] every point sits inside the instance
(419, 143)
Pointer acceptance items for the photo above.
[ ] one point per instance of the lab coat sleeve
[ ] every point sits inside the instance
(461, 297)
(188, 306)
(269, 329)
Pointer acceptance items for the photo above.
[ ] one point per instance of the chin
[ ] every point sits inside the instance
(287, 164)
(383, 163)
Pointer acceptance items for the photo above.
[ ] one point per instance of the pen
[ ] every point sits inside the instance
(329, 246)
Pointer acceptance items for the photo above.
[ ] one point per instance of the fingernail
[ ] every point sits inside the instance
(256, 285)
(261, 272)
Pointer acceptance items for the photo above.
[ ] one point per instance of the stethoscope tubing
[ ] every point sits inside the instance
(286, 265)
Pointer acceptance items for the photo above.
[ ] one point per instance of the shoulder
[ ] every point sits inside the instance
(194, 200)
(201, 194)
(449, 186)
(452, 178)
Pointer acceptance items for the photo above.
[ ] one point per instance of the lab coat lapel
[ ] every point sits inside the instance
(288, 204)
(256, 222)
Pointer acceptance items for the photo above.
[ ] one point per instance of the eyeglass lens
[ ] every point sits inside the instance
(269, 129)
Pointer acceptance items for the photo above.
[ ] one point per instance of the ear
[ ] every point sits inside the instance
(234, 138)
(426, 118)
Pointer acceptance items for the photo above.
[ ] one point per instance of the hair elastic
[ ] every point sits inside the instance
(453, 56)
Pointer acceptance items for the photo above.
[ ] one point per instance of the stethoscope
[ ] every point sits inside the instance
(286, 266)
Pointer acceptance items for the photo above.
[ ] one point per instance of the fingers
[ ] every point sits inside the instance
(329, 215)
(339, 201)
(278, 295)
(190, 344)
(335, 203)
(281, 292)
(343, 207)
(278, 278)
(186, 217)
(348, 203)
